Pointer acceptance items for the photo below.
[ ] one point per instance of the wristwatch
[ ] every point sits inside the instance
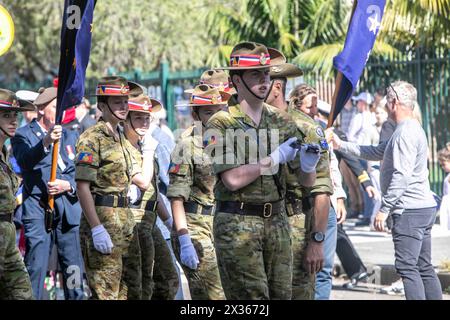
(318, 237)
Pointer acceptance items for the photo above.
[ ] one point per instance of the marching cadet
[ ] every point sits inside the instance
(191, 192)
(105, 169)
(14, 279)
(144, 208)
(304, 221)
(251, 229)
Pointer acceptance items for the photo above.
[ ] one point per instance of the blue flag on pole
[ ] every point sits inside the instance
(364, 26)
(76, 35)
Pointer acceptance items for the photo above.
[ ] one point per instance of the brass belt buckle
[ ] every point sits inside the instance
(115, 201)
(267, 210)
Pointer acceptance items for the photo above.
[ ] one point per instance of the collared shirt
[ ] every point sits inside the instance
(191, 173)
(8, 185)
(105, 160)
(274, 128)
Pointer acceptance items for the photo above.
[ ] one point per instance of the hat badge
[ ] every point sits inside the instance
(14, 103)
(216, 99)
(123, 90)
(263, 59)
(146, 106)
(221, 87)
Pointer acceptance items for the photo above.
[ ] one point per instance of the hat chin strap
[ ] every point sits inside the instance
(109, 108)
(270, 90)
(134, 129)
(250, 90)
(6, 133)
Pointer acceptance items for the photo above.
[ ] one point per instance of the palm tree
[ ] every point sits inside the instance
(312, 32)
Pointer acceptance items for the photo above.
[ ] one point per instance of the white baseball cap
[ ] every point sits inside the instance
(364, 96)
(323, 106)
(27, 95)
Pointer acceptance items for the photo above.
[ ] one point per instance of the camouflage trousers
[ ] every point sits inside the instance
(15, 282)
(140, 260)
(204, 282)
(105, 272)
(303, 283)
(165, 275)
(254, 255)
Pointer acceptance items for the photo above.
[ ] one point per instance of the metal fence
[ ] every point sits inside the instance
(429, 72)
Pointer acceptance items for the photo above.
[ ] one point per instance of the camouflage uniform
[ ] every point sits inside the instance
(14, 279)
(254, 253)
(141, 261)
(165, 275)
(193, 180)
(298, 205)
(107, 164)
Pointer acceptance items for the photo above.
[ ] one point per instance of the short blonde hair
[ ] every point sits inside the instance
(444, 154)
(404, 92)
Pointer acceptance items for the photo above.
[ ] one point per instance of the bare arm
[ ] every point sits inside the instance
(179, 216)
(87, 203)
(237, 178)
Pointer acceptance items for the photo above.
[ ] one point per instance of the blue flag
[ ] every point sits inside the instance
(362, 32)
(76, 35)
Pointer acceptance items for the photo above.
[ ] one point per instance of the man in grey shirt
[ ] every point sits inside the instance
(406, 194)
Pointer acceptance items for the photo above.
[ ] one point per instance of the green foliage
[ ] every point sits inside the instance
(139, 34)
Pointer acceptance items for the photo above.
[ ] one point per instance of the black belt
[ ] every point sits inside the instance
(193, 207)
(111, 201)
(265, 210)
(146, 205)
(6, 217)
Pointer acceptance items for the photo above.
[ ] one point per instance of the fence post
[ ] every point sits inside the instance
(164, 80)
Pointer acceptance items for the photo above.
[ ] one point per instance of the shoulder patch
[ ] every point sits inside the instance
(85, 157)
(209, 141)
(319, 132)
(174, 168)
(324, 144)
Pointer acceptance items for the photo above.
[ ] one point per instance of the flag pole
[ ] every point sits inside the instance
(51, 199)
(333, 102)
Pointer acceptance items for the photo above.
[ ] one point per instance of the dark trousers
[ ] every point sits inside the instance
(411, 233)
(350, 260)
(39, 245)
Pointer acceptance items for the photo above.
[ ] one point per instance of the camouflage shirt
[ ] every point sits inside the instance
(105, 161)
(152, 192)
(275, 127)
(8, 185)
(313, 134)
(191, 175)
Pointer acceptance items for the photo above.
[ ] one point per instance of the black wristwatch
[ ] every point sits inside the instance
(318, 237)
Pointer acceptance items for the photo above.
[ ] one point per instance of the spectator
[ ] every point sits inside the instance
(444, 212)
(31, 146)
(347, 114)
(407, 199)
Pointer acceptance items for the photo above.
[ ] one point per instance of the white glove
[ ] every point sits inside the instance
(169, 223)
(149, 144)
(134, 194)
(188, 254)
(284, 153)
(102, 240)
(308, 160)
